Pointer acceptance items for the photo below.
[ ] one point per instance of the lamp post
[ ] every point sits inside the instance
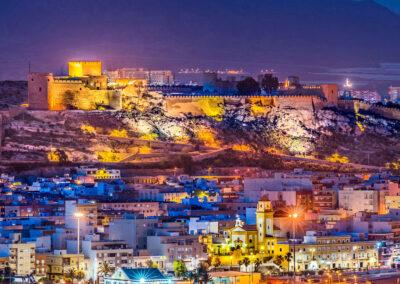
(294, 216)
(78, 216)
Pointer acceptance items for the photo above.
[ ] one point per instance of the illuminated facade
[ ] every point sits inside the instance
(254, 242)
(60, 263)
(85, 88)
(334, 252)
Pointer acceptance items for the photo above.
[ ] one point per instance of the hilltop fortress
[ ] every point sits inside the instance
(87, 88)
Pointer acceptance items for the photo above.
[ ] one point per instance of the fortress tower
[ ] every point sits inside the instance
(331, 93)
(39, 86)
(84, 68)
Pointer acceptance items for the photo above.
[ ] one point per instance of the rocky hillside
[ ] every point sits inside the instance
(148, 135)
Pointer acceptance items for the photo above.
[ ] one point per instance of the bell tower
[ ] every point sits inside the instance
(264, 219)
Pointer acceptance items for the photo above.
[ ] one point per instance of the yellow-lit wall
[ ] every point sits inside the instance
(84, 68)
(177, 106)
(81, 97)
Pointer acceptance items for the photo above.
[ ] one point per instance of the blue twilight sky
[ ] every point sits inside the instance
(394, 5)
(320, 40)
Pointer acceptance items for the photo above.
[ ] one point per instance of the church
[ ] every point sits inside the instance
(252, 241)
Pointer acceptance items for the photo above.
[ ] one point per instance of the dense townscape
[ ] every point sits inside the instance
(165, 191)
(92, 224)
(199, 142)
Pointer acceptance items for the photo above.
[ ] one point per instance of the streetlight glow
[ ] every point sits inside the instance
(78, 214)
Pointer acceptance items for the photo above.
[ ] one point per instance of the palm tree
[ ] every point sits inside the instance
(71, 273)
(257, 264)
(278, 260)
(202, 273)
(245, 261)
(288, 257)
(217, 262)
(151, 264)
(267, 258)
(192, 275)
(79, 275)
(105, 269)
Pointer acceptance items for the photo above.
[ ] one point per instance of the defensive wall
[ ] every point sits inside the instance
(177, 105)
(354, 105)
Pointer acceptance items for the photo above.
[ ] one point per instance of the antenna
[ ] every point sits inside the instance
(29, 67)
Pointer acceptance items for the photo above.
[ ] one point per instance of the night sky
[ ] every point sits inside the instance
(320, 40)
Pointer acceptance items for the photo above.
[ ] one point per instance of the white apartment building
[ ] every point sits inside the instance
(87, 219)
(115, 253)
(175, 247)
(359, 199)
(161, 77)
(203, 227)
(21, 257)
(254, 188)
(133, 231)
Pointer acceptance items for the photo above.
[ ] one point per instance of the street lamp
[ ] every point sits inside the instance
(78, 216)
(294, 216)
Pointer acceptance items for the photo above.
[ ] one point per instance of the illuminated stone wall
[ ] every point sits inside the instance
(132, 93)
(66, 94)
(299, 102)
(48, 93)
(259, 105)
(182, 105)
(356, 106)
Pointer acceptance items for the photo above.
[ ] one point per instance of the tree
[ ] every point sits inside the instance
(245, 261)
(278, 260)
(269, 83)
(267, 259)
(288, 258)
(257, 264)
(202, 273)
(79, 275)
(179, 268)
(69, 100)
(192, 275)
(217, 262)
(151, 264)
(248, 86)
(70, 275)
(105, 269)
